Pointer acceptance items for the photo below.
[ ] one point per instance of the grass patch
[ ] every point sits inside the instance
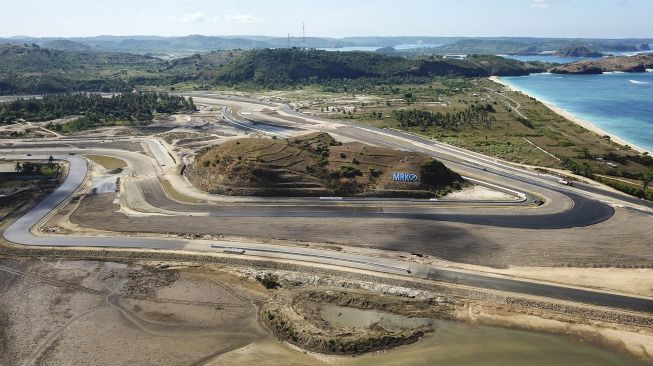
(176, 195)
(107, 162)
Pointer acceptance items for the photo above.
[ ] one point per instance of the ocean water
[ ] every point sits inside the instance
(566, 60)
(374, 48)
(618, 103)
(549, 58)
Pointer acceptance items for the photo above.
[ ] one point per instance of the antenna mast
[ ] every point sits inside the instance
(303, 35)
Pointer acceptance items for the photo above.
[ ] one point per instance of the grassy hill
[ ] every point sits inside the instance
(284, 67)
(316, 165)
(32, 69)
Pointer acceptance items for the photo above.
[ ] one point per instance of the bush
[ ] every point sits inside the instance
(349, 171)
(270, 281)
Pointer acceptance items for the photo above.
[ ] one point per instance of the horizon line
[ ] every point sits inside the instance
(18, 36)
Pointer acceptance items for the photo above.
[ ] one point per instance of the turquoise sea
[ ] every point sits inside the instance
(552, 59)
(374, 48)
(618, 103)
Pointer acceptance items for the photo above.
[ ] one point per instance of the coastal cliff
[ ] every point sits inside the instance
(638, 63)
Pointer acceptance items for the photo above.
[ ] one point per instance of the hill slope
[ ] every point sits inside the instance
(280, 67)
(637, 63)
(316, 165)
(32, 69)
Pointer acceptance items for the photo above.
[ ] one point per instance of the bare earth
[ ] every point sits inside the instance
(65, 313)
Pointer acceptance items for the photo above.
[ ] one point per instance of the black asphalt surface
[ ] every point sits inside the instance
(538, 289)
(584, 212)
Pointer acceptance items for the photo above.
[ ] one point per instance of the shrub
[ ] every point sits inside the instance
(270, 281)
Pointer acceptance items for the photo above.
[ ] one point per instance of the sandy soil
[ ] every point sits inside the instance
(477, 192)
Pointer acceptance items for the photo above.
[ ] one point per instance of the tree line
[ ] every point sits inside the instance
(473, 116)
(130, 108)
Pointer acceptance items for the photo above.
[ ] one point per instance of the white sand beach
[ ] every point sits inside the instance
(568, 115)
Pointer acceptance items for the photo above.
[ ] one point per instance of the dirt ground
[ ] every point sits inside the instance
(591, 246)
(73, 312)
(87, 313)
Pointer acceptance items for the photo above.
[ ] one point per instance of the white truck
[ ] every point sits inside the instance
(566, 182)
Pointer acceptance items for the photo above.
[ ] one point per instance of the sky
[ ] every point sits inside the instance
(329, 18)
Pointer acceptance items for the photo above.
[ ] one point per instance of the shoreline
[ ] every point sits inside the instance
(577, 120)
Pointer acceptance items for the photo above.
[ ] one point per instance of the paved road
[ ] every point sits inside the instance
(19, 232)
(581, 212)
(544, 290)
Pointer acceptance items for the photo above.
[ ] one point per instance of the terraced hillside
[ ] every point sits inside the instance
(317, 165)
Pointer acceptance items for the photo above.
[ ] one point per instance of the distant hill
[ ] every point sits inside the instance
(33, 69)
(174, 47)
(42, 60)
(317, 165)
(65, 45)
(282, 67)
(638, 63)
(538, 45)
(580, 51)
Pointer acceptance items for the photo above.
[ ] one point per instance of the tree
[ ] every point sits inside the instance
(27, 168)
(51, 162)
(647, 177)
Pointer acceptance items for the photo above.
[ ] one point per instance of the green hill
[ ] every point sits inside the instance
(32, 69)
(282, 67)
(316, 165)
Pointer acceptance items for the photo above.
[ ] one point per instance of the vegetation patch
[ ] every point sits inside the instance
(95, 110)
(318, 165)
(175, 194)
(299, 318)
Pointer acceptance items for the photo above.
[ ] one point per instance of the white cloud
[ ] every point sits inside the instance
(199, 16)
(540, 4)
(242, 18)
